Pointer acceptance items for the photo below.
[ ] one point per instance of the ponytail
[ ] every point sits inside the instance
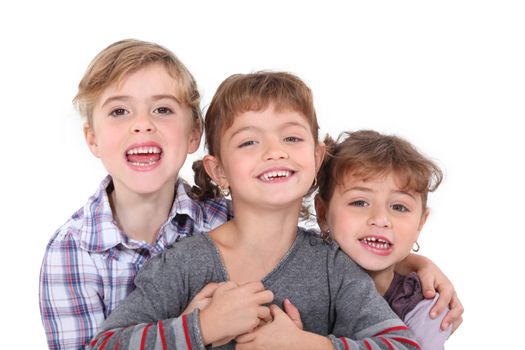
(204, 187)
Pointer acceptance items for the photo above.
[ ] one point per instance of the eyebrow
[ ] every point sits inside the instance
(127, 98)
(366, 189)
(285, 125)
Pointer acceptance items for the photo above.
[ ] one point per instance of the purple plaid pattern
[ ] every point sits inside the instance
(90, 264)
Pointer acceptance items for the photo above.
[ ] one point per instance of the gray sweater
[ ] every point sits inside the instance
(335, 297)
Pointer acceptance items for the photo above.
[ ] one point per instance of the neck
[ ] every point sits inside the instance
(255, 241)
(141, 216)
(382, 279)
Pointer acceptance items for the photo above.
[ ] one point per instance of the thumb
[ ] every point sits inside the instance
(293, 313)
(207, 291)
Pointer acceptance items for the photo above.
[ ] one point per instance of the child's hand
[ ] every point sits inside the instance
(201, 299)
(234, 310)
(434, 280)
(293, 313)
(281, 333)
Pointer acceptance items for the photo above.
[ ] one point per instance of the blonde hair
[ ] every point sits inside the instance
(124, 57)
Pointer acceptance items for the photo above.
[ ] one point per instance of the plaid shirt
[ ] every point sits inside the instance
(90, 264)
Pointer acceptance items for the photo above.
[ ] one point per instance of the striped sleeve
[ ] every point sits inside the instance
(363, 319)
(181, 333)
(389, 339)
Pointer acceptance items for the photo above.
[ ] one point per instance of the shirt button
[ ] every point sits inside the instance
(313, 242)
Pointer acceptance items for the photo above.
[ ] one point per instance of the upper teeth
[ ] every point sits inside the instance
(273, 174)
(376, 242)
(144, 150)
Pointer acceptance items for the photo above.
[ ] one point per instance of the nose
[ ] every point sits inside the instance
(379, 218)
(143, 123)
(275, 150)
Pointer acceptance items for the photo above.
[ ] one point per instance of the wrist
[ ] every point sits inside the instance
(207, 326)
(311, 341)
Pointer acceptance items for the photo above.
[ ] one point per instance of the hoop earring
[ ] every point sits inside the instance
(415, 247)
(225, 191)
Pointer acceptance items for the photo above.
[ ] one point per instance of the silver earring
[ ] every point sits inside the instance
(225, 191)
(415, 247)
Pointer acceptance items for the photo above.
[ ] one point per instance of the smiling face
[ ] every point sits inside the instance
(142, 132)
(267, 158)
(375, 222)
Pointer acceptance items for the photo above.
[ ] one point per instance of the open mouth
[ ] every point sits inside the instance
(276, 175)
(376, 243)
(143, 156)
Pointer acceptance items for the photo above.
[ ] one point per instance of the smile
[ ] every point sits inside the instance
(143, 156)
(376, 243)
(272, 176)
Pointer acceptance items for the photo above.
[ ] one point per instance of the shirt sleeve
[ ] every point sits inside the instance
(149, 317)
(70, 296)
(363, 319)
(427, 330)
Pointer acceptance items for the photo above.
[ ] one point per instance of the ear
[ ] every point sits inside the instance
(214, 169)
(320, 152)
(320, 213)
(424, 218)
(195, 138)
(91, 140)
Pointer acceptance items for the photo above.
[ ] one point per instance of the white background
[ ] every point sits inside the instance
(447, 75)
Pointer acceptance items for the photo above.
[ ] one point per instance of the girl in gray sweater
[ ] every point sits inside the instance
(262, 138)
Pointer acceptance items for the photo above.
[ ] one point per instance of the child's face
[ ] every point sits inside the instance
(268, 158)
(375, 222)
(141, 132)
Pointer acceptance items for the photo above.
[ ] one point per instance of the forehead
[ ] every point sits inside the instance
(388, 180)
(268, 119)
(150, 80)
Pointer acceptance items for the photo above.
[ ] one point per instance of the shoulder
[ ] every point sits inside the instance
(191, 250)
(207, 214)
(404, 293)
(427, 330)
(83, 230)
(337, 261)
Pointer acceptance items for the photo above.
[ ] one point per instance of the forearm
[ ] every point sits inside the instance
(179, 333)
(412, 263)
(70, 305)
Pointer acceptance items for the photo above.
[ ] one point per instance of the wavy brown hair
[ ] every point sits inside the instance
(367, 154)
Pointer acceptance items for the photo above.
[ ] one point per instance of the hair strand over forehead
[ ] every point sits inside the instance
(367, 154)
(118, 60)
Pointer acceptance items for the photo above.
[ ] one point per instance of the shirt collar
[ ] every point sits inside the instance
(99, 231)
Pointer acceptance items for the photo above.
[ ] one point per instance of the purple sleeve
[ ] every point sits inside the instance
(427, 331)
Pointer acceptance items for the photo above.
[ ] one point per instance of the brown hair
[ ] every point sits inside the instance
(250, 92)
(367, 154)
(123, 57)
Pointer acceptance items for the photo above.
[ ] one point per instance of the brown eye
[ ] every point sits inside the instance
(359, 203)
(164, 110)
(118, 112)
(400, 208)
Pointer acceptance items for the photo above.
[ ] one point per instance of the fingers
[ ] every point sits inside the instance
(427, 285)
(264, 314)
(263, 296)
(457, 323)
(208, 290)
(293, 313)
(245, 338)
(454, 316)
(445, 296)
